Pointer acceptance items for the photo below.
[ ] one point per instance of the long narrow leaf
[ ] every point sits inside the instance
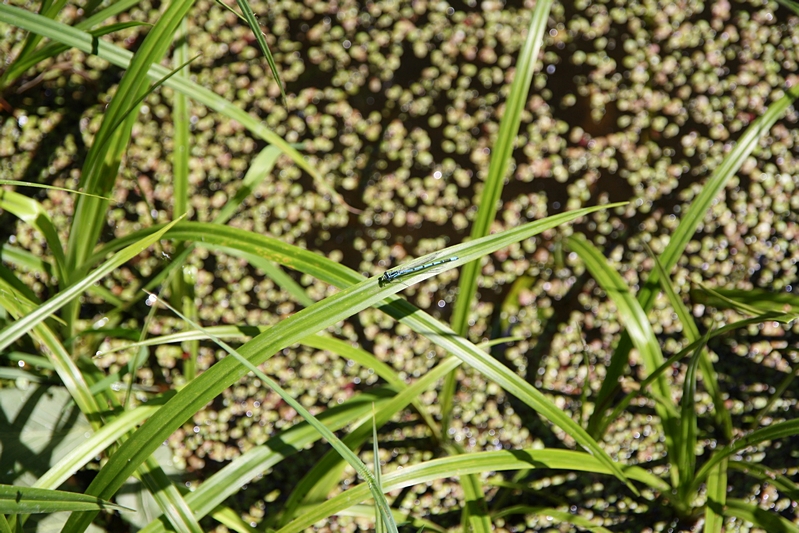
(120, 57)
(459, 465)
(716, 498)
(330, 437)
(692, 334)
(28, 500)
(786, 429)
(49, 9)
(502, 154)
(319, 316)
(54, 48)
(682, 235)
(316, 485)
(88, 450)
(169, 499)
(686, 446)
(767, 521)
(100, 169)
(637, 325)
(68, 372)
(249, 16)
(255, 461)
(34, 214)
(26, 323)
(622, 405)
(776, 477)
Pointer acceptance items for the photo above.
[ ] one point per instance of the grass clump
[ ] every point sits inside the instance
(635, 425)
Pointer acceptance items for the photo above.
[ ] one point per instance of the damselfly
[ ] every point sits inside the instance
(391, 275)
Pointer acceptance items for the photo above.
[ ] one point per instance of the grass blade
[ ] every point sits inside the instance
(686, 444)
(32, 213)
(759, 299)
(249, 17)
(786, 429)
(122, 58)
(682, 235)
(637, 325)
(28, 500)
(709, 377)
(330, 437)
(317, 484)
(459, 465)
(716, 498)
(26, 323)
(767, 521)
(254, 462)
(100, 169)
(317, 317)
(502, 154)
(169, 499)
(108, 435)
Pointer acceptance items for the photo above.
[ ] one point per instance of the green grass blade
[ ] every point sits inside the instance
(331, 271)
(273, 271)
(16, 256)
(622, 405)
(32, 213)
(122, 58)
(501, 155)
(637, 325)
(767, 521)
(776, 477)
(380, 527)
(22, 64)
(751, 299)
(475, 511)
(330, 437)
(135, 106)
(47, 9)
(420, 525)
(15, 295)
(180, 113)
(716, 498)
(685, 230)
(232, 521)
(730, 303)
(169, 499)
(28, 500)
(259, 170)
(325, 474)
(691, 332)
(320, 342)
(101, 167)
(459, 465)
(68, 372)
(50, 187)
(26, 323)
(254, 462)
(105, 437)
(786, 429)
(182, 289)
(249, 17)
(317, 317)
(686, 444)
(779, 391)
(696, 212)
